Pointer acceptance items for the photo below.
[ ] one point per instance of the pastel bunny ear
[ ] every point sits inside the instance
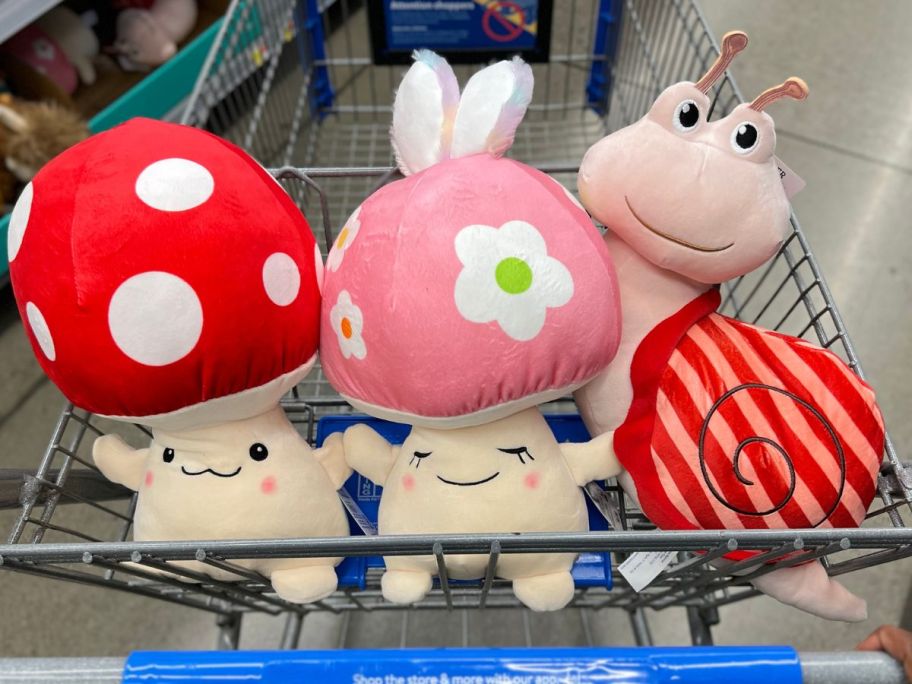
(423, 113)
(491, 108)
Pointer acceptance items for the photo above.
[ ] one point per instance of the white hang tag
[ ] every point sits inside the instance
(642, 567)
(605, 504)
(356, 513)
(792, 183)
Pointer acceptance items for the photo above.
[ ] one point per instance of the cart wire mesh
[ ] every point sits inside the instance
(294, 84)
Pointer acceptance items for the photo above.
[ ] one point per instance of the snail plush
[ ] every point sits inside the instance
(720, 424)
(449, 300)
(175, 284)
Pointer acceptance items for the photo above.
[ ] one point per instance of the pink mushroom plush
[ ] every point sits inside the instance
(457, 300)
(721, 424)
(165, 278)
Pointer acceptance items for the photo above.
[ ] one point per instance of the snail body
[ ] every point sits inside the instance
(717, 423)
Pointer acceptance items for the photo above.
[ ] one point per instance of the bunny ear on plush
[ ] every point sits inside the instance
(491, 108)
(423, 113)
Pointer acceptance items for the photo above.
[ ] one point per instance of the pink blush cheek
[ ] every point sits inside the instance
(532, 480)
(149, 478)
(408, 482)
(268, 485)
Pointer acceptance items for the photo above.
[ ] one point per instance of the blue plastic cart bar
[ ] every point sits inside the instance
(742, 665)
(745, 665)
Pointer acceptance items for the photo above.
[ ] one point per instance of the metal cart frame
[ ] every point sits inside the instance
(292, 82)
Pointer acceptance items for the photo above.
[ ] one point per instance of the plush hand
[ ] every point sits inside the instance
(369, 454)
(592, 460)
(332, 457)
(119, 462)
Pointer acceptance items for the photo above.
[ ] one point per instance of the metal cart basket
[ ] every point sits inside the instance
(293, 82)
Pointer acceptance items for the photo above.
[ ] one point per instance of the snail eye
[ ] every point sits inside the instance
(745, 138)
(418, 456)
(522, 452)
(168, 455)
(258, 452)
(686, 116)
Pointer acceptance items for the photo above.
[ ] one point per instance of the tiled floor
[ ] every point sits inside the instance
(850, 141)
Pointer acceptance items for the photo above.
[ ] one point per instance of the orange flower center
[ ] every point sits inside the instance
(343, 236)
(346, 328)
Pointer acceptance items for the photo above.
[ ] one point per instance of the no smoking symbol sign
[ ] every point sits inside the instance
(496, 25)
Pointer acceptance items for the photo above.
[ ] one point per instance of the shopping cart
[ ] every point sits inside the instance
(294, 83)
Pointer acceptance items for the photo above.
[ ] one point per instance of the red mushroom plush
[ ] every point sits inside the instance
(164, 278)
(457, 300)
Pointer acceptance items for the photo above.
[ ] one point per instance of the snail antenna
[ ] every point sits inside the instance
(793, 87)
(733, 42)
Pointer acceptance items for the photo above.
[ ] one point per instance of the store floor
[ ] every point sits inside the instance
(852, 142)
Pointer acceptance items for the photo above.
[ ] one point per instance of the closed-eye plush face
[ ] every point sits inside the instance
(703, 199)
(506, 476)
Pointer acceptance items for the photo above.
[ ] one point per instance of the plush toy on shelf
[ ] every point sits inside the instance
(450, 300)
(77, 41)
(147, 37)
(164, 278)
(720, 424)
(33, 133)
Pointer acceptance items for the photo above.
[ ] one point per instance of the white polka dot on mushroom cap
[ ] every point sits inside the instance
(40, 330)
(281, 278)
(174, 184)
(155, 318)
(318, 267)
(19, 221)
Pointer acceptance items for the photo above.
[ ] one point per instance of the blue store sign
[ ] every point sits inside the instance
(461, 30)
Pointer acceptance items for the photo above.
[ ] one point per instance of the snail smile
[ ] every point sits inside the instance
(671, 238)
(209, 470)
(468, 484)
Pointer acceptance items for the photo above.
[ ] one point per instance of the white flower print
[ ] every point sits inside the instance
(348, 322)
(343, 241)
(508, 277)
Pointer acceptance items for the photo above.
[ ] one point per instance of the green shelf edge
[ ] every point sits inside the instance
(153, 97)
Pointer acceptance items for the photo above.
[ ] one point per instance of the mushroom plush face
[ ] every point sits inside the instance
(253, 478)
(224, 479)
(509, 475)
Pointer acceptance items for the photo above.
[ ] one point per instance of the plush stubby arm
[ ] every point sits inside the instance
(332, 457)
(119, 462)
(592, 460)
(368, 453)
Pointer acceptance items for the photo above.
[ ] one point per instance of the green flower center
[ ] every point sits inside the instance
(513, 275)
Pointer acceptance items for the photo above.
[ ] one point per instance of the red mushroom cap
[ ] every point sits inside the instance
(164, 277)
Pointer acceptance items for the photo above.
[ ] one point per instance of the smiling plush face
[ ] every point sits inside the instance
(700, 198)
(509, 475)
(254, 477)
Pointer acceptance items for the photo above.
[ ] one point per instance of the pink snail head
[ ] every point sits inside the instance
(701, 198)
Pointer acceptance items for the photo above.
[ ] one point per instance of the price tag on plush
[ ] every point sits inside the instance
(456, 300)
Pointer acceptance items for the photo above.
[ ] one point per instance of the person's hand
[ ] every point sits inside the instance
(893, 640)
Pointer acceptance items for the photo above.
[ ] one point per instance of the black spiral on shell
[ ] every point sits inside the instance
(735, 458)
